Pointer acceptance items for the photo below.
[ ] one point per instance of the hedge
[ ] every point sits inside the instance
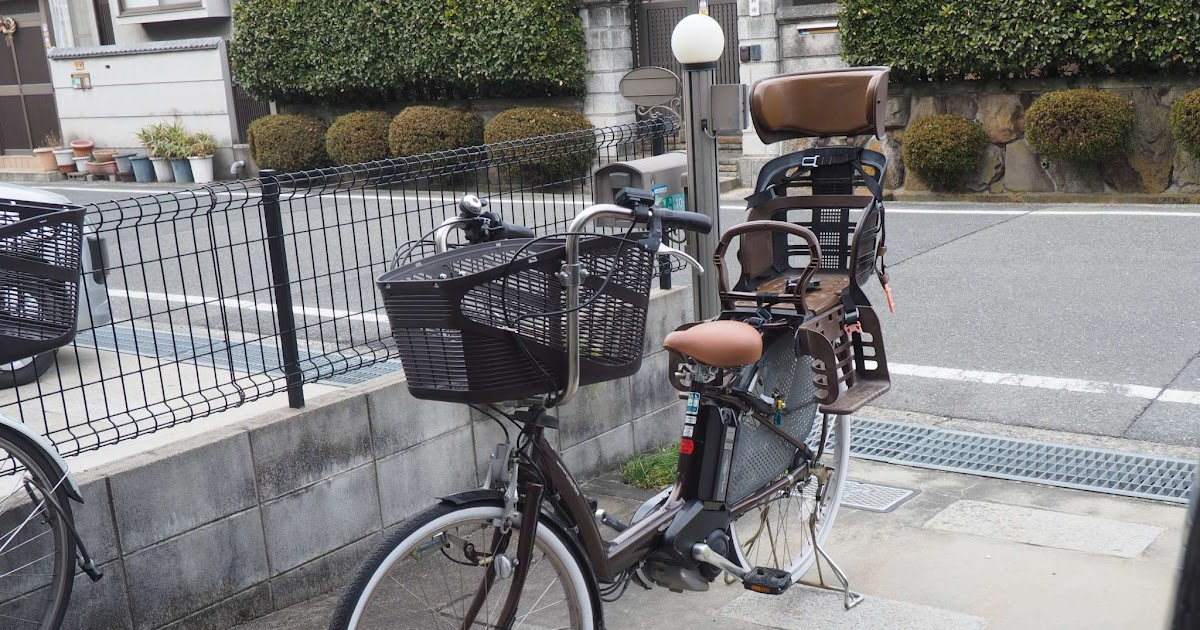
(358, 137)
(427, 129)
(407, 49)
(954, 39)
(1084, 125)
(567, 159)
(943, 149)
(288, 142)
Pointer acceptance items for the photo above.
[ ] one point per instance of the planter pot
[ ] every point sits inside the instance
(202, 169)
(143, 170)
(63, 158)
(124, 167)
(45, 159)
(183, 170)
(125, 177)
(162, 169)
(81, 163)
(102, 169)
(82, 148)
(103, 155)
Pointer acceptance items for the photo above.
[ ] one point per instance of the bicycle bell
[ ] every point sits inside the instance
(471, 206)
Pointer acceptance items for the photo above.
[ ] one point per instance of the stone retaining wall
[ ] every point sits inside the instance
(1010, 165)
(244, 520)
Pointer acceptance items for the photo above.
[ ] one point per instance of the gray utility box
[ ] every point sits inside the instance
(664, 175)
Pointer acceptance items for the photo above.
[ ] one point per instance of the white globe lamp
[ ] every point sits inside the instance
(697, 39)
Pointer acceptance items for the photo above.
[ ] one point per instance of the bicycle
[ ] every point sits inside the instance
(514, 318)
(40, 252)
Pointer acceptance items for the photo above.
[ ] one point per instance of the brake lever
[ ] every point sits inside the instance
(666, 250)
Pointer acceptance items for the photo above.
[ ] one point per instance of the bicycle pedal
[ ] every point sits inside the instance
(768, 581)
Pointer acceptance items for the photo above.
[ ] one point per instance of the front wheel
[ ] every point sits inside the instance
(37, 555)
(451, 562)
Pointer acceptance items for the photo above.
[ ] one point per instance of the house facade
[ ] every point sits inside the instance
(102, 69)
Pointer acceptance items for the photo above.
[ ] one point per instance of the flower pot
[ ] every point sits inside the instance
(45, 159)
(202, 169)
(125, 177)
(102, 169)
(124, 167)
(81, 163)
(143, 170)
(183, 170)
(103, 155)
(82, 148)
(162, 169)
(62, 157)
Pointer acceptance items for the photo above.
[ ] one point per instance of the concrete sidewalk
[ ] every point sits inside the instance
(965, 553)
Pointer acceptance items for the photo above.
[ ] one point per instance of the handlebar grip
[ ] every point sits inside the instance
(513, 230)
(691, 221)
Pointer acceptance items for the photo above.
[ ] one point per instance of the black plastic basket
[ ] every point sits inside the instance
(486, 323)
(40, 257)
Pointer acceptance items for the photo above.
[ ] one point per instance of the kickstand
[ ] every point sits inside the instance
(852, 598)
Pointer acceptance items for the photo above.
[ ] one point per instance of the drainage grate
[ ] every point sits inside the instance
(1113, 472)
(873, 497)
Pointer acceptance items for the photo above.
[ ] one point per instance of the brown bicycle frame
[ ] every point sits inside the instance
(610, 558)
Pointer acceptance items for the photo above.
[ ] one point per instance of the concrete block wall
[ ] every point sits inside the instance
(251, 518)
(609, 38)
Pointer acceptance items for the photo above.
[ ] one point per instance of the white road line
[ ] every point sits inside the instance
(1047, 382)
(200, 300)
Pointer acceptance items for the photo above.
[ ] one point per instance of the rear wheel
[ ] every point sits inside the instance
(780, 533)
(37, 555)
(433, 570)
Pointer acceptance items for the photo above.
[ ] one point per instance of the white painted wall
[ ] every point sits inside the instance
(134, 89)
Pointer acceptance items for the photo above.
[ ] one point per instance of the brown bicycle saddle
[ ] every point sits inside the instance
(720, 344)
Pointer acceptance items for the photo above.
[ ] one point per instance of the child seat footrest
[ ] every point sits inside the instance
(848, 363)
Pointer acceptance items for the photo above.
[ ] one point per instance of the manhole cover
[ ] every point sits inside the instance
(874, 497)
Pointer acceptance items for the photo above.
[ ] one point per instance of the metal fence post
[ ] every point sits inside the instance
(658, 146)
(284, 315)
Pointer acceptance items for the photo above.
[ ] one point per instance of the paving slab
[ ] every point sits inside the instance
(1045, 528)
(806, 607)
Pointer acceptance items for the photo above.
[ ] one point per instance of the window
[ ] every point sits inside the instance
(154, 6)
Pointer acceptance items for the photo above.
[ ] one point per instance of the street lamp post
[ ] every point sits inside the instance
(697, 43)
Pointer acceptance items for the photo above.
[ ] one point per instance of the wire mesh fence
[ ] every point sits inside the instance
(193, 298)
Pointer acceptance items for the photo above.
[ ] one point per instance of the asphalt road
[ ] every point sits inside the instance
(1074, 318)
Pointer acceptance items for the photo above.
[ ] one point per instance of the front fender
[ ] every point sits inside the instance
(61, 470)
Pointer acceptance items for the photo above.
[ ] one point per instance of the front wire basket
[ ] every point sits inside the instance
(40, 258)
(487, 323)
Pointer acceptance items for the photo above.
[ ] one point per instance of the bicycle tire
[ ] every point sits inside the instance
(837, 455)
(30, 456)
(1187, 592)
(352, 611)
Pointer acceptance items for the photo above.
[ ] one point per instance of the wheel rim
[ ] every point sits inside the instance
(34, 559)
(424, 583)
(780, 534)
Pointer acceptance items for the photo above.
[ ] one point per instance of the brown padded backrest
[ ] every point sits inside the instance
(847, 102)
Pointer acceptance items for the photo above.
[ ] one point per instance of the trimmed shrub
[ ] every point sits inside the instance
(358, 137)
(288, 142)
(426, 129)
(1084, 125)
(407, 50)
(1185, 122)
(943, 149)
(569, 158)
(998, 39)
